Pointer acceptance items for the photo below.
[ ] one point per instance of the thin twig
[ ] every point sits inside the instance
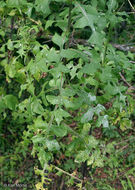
(132, 94)
(62, 182)
(120, 7)
(32, 20)
(132, 61)
(71, 175)
(130, 12)
(127, 83)
(124, 147)
(131, 6)
(124, 47)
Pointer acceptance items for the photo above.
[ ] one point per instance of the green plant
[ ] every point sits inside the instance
(63, 83)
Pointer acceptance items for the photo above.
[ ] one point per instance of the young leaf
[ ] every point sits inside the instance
(90, 68)
(60, 114)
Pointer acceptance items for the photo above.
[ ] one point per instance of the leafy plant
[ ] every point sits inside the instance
(65, 90)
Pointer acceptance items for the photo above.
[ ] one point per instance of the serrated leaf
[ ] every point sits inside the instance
(87, 18)
(52, 145)
(68, 103)
(86, 129)
(103, 120)
(37, 107)
(73, 69)
(53, 56)
(59, 40)
(38, 139)
(111, 90)
(92, 81)
(82, 156)
(125, 123)
(43, 156)
(49, 23)
(96, 159)
(68, 92)
(12, 12)
(92, 142)
(39, 123)
(81, 23)
(97, 38)
(99, 108)
(90, 68)
(106, 74)
(87, 98)
(42, 65)
(60, 114)
(62, 24)
(32, 67)
(54, 99)
(73, 53)
(16, 3)
(60, 68)
(87, 116)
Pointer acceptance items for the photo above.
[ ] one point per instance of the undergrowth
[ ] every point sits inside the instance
(67, 74)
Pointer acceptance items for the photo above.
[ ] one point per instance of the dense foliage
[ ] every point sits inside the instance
(67, 106)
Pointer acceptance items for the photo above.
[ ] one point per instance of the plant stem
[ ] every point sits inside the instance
(71, 175)
(69, 24)
(106, 44)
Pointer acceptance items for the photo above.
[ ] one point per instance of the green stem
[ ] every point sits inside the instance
(69, 23)
(106, 44)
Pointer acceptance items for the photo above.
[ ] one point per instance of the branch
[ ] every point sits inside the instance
(127, 83)
(131, 5)
(124, 47)
(71, 175)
